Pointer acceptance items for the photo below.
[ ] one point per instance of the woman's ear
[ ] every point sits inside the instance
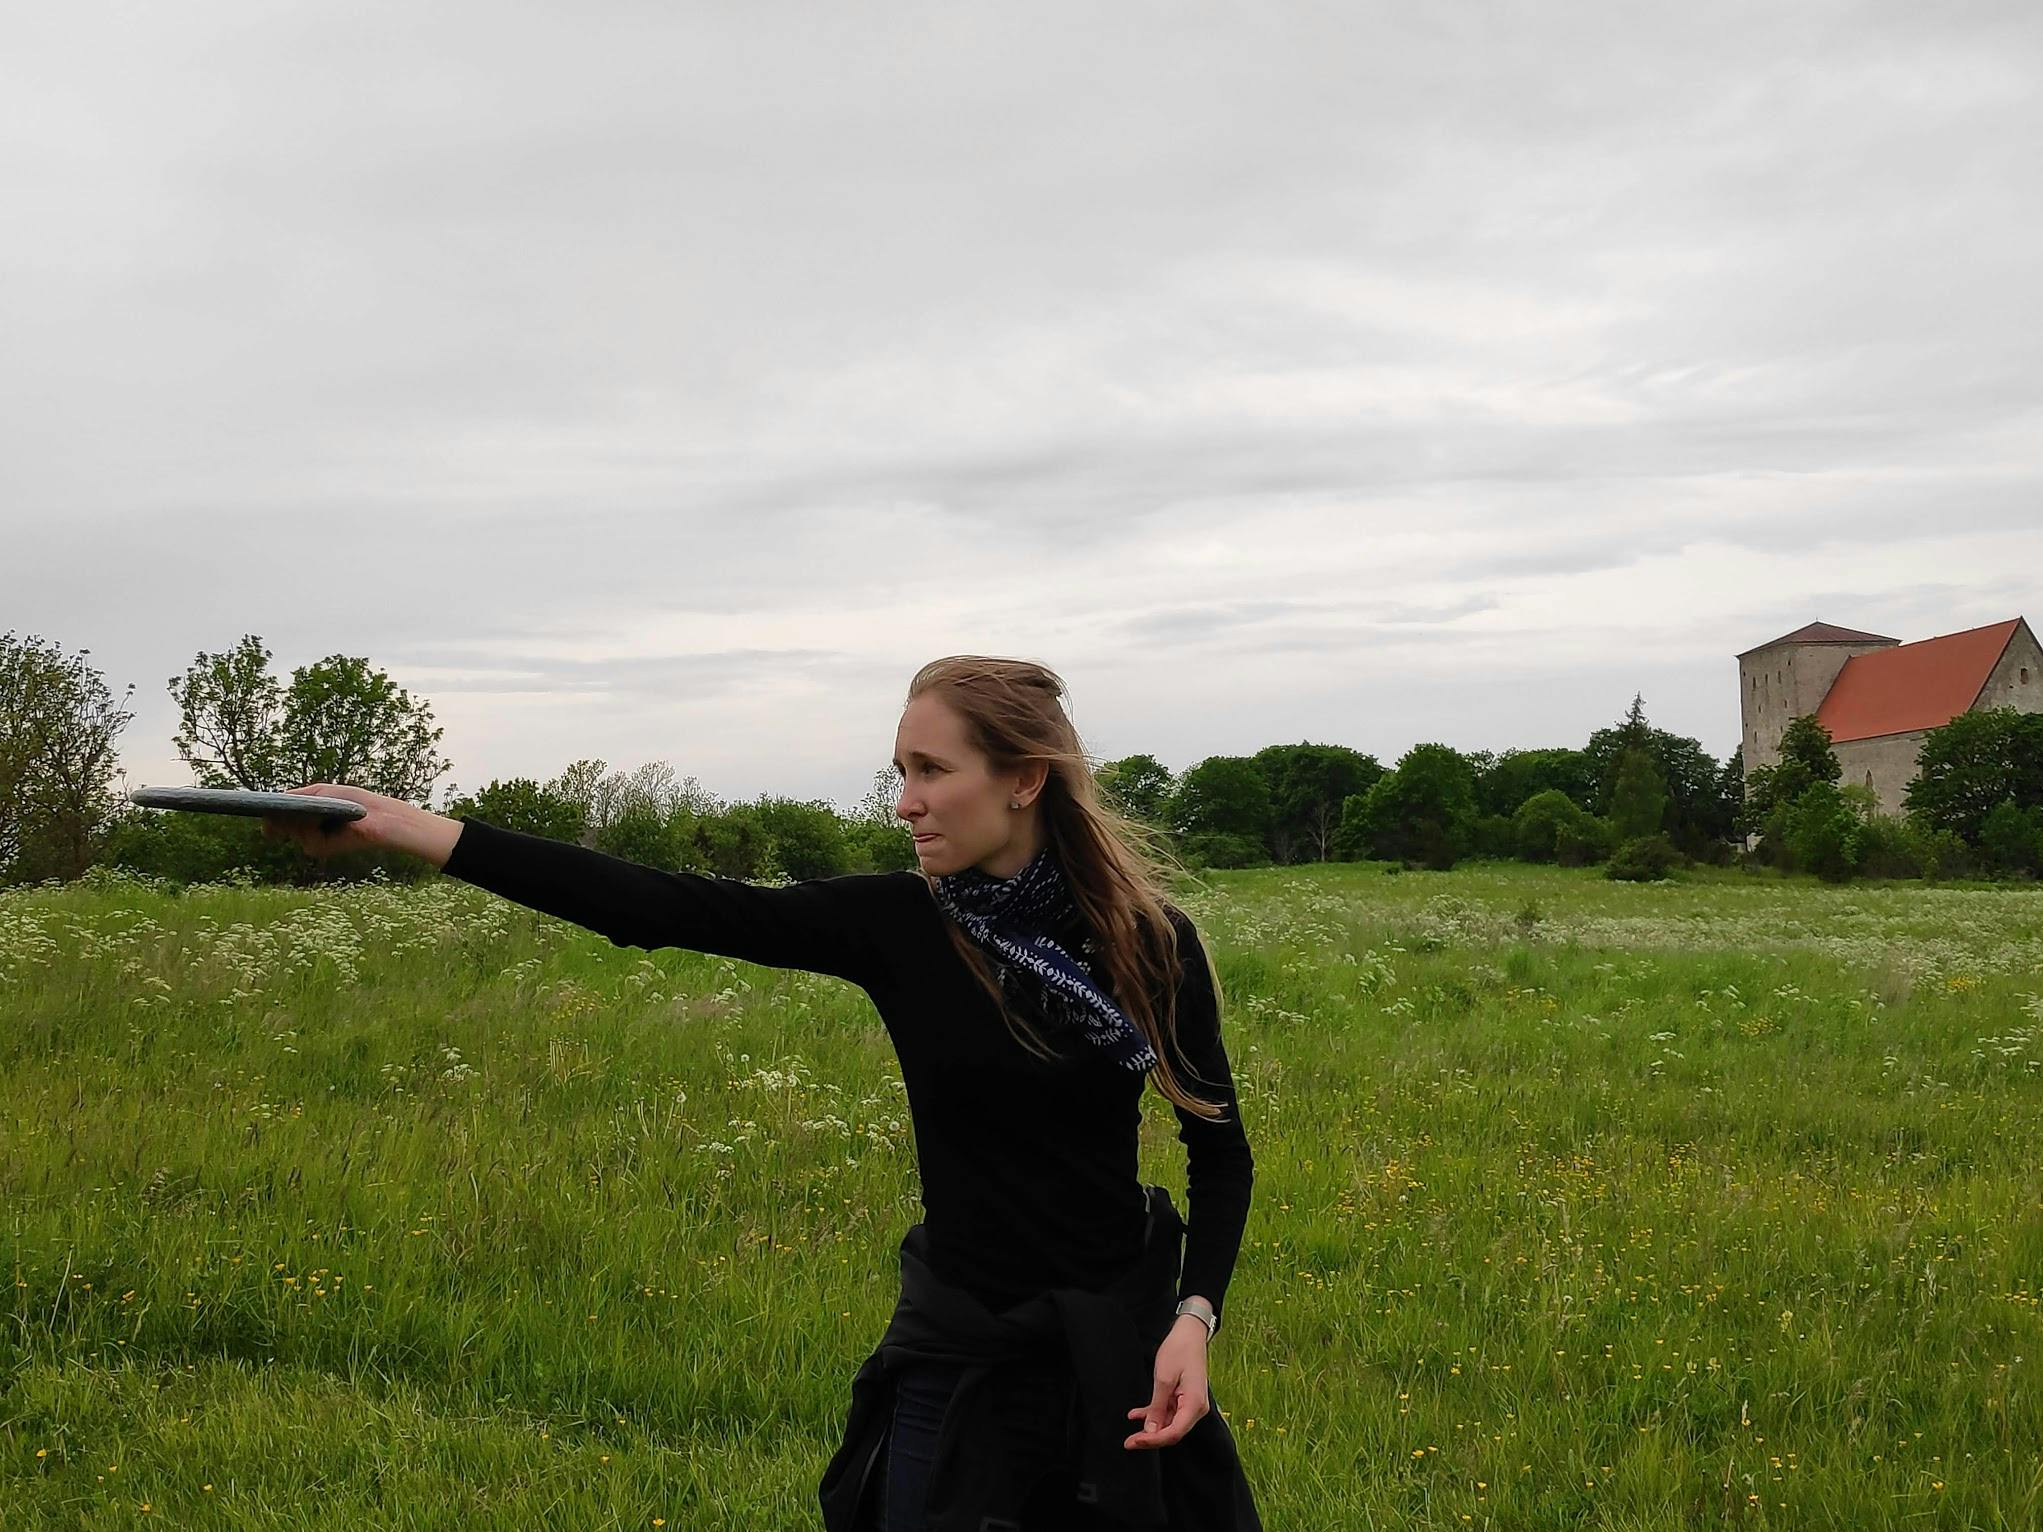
(1029, 785)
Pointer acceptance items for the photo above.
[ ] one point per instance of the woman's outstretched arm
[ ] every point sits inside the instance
(824, 925)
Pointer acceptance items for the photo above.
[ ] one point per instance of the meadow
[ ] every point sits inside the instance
(1578, 1204)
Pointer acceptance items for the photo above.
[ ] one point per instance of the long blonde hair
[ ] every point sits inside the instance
(1116, 866)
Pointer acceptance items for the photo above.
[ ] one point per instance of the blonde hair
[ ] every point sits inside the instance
(1116, 866)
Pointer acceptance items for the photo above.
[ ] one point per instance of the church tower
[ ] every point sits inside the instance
(1780, 681)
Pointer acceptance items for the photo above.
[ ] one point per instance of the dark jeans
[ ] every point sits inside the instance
(1031, 1413)
(920, 1393)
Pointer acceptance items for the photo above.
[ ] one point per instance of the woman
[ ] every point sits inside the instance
(1031, 976)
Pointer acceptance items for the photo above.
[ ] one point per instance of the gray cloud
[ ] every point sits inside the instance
(675, 384)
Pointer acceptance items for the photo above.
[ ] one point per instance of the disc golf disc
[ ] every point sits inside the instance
(235, 800)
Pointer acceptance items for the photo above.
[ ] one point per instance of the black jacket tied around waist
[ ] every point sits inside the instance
(1100, 1346)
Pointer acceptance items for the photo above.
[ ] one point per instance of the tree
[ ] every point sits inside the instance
(875, 836)
(338, 721)
(641, 833)
(522, 804)
(1698, 814)
(1223, 795)
(230, 709)
(1638, 799)
(1536, 826)
(1308, 785)
(1971, 765)
(58, 723)
(732, 843)
(1138, 786)
(1823, 833)
(1731, 787)
(1806, 758)
(807, 837)
(882, 795)
(1504, 782)
(578, 785)
(2011, 838)
(1423, 812)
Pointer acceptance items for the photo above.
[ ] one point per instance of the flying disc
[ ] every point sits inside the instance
(235, 800)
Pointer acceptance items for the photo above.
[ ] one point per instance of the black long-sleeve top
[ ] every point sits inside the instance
(1029, 1168)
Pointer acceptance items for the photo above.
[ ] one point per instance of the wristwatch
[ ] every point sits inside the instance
(1201, 1311)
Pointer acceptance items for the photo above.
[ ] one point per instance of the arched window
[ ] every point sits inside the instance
(2025, 675)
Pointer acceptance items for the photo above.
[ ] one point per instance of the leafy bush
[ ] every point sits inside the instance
(731, 842)
(1536, 827)
(1644, 859)
(1944, 853)
(522, 804)
(1584, 842)
(644, 834)
(1890, 847)
(1822, 833)
(181, 848)
(2011, 839)
(808, 837)
(876, 847)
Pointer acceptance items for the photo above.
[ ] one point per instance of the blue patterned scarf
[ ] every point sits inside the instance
(1009, 919)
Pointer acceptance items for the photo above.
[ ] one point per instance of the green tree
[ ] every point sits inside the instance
(337, 721)
(1536, 827)
(1138, 786)
(1731, 788)
(58, 725)
(807, 837)
(1823, 833)
(1699, 816)
(578, 785)
(1223, 795)
(1974, 763)
(1507, 781)
(520, 803)
(1806, 758)
(1638, 799)
(230, 711)
(1308, 785)
(644, 833)
(1423, 812)
(2011, 838)
(731, 842)
(876, 838)
(215, 848)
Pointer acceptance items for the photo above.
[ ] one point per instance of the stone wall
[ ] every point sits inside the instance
(1885, 763)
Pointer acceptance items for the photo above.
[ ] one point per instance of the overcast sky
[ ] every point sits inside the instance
(663, 381)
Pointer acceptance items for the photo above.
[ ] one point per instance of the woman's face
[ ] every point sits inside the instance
(957, 808)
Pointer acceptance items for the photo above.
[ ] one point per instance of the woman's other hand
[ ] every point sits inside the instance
(1180, 1397)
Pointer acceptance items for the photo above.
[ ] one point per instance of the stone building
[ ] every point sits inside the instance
(1878, 696)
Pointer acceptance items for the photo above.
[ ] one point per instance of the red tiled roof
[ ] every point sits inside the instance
(1913, 686)
(1824, 633)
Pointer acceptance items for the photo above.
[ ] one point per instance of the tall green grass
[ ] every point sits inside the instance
(1577, 1204)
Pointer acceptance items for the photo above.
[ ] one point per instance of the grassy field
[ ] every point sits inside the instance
(1578, 1204)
